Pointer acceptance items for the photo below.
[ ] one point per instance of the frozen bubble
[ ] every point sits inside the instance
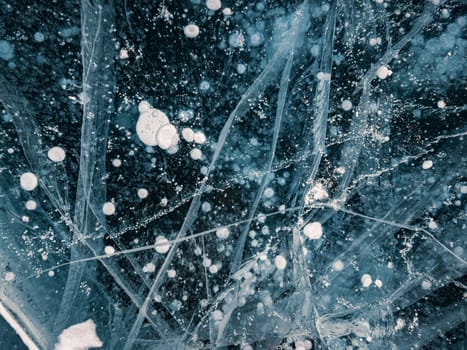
(426, 284)
(10, 276)
(427, 164)
(171, 273)
(31, 204)
(123, 54)
(196, 154)
(269, 192)
(25, 218)
(204, 85)
(185, 115)
(143, 193)
(56, 154)
(241, 68)
(338, 265)
(149, 267)
(109, 250)
(28, 181)
(383, 72)
(441, 104)
(378, 283)
(167, 136)
(207, 262)
(206, 207)
(116, 162)
(148, 125)
(463, 189)
(366, 280)
(164, 201)
(108, 208)
(39, 37)
(213, 5)
(313, 230)
(236, 40)
(51, 273)
(199, 137)
(162, 245)
(346, 105)
(188, 134)
(144, 106)
(227, 11)
(280, 262)
(6, 50)
(191, 30)
(213, 269)
(222, 232)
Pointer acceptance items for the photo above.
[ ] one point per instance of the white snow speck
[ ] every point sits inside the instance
(109, 250)
(441, 104)
(162, 245)
(196, 154)
(383, 72)
(56, 154)
(366, 280)
(427, 164)
(108, 208)
(191, 30)
(167, 136)
(143, 193)
(222, 232)
(313, 230)
(81, 336)
(280, 262)
(31, 205)
(346, 105)
(241, 68)
(213, 5)
(28, 181)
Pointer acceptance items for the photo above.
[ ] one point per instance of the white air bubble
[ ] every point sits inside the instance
(108, 208)
(441, 104)
(213, 5)
(338, 265)
(162, 245)
(366, 280)
(116, 162)
(31, 204)
(109, 250)
(171, 273)
(383, 72)
(167, 136)
(199, 137)
(196, 154)
(149, 267)
(56, 154)
(191, 31)
(10, 276)
(144, 106)
(148, 124)
(280, 262)
(188, 134)
(28, 181)
(222, 232)
(346, 105)
(143, 193)
(313, 230)
(427, 164)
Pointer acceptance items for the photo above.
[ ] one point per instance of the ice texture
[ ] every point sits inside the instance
(233, 174)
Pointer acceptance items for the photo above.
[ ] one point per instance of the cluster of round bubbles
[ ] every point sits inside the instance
(154, 128)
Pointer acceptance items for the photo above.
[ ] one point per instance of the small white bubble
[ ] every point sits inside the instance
(346, 105)
(280, 262)
(108, 208)
(427, 164)
(31, 204)
(109, 250)
(222, 232)
(28, 181)
(383, 72)
(366, 280)
(143, 193)
(10, 276)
